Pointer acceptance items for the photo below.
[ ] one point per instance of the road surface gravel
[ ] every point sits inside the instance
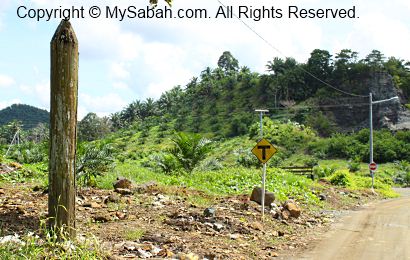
(379, 231)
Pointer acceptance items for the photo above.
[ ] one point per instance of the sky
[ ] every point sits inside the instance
(134, 59)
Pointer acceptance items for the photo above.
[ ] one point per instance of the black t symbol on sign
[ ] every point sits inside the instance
(263, 148)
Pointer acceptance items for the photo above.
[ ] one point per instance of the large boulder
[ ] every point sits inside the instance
(257, 196)
(293, 209)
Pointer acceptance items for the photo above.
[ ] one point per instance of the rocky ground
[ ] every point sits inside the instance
(151, 221)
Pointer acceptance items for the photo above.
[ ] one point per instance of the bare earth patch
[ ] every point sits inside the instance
(162, 222)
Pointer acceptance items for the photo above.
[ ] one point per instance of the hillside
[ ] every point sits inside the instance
(29, 116)
(329, 93)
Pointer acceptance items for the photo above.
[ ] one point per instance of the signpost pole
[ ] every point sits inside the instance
(261, 112)
(371, 135)
(263, 190)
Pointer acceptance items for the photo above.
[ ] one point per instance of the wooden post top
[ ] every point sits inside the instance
(64, 34)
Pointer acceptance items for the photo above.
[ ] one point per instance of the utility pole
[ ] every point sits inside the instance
(261, 113)
(63, 130)
(12, 141)
(371, 103)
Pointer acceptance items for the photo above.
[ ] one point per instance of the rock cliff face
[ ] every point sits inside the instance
(352, 114)
(384, 114)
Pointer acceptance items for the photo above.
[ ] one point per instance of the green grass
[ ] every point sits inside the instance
(222, 182)
(134, 235)
(34, 247)
(359, 181)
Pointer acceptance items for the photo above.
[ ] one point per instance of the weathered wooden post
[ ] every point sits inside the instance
(63, 128)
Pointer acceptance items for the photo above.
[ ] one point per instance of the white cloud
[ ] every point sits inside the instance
(7, 103)
(151, 56)
(40, 91)
(6, 81)
(387, 34)
(101, 105)
(118, 71)
(120, 85)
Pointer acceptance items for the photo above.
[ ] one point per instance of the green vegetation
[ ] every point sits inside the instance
(189, 150)
(48, 247)
(388, 146)
(92, 161)
(200, 138)
(134, 234)
(221, 101)
(29, 116)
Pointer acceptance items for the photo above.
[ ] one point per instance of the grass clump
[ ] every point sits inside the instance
(33, 246)
(134, 235)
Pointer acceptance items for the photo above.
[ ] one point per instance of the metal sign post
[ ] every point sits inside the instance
(263, 189)
(263, 150)
(371, 102)
(261, 112)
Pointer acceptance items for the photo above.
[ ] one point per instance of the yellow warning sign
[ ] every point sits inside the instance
(264, 150)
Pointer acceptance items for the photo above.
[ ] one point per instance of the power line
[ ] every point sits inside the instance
(280, 52)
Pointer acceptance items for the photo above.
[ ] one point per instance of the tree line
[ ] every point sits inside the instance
(222, 100)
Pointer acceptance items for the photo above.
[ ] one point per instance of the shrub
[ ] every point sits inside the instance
(354, 165)
(402, 173)
(290, 135)
(190, 149)
(341, 178)
(211, 165)
(166, 162)
(93, 160)
(323, 124)
(246, 158)
(29, 152)
(322, 172)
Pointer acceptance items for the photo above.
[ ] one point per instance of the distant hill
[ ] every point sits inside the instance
(30, 116)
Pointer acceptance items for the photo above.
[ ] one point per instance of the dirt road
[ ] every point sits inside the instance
(380, 231)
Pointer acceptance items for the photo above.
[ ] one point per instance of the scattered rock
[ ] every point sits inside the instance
(120, 215)
(147, 187)
(281, 233)
(285, 214)
(256, 225)
(257, 196)
(312, 220)
(20, 210)
(93, 205)
(218, 226)
(160, 201)
(327, 220)
(165, 253)
(234, 236)
(209, 212)
(322, 197)
(189, 256)
(36, 188)
(293, 209)
(102, 218)
(210, 256)
(123, 191)
(143, 254)
(122, 183)
(114, 198)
